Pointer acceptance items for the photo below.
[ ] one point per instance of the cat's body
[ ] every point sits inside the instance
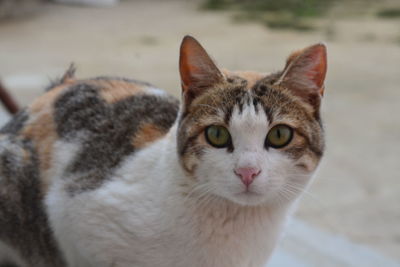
(107, 172)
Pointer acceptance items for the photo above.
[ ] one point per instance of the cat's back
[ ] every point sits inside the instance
(110, 118)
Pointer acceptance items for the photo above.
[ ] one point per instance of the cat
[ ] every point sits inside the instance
(116, 172)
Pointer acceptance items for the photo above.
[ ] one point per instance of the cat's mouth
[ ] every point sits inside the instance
(248, 193)
(248, 197)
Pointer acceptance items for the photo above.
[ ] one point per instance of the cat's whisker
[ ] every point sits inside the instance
(205, 197)
(299, 190)
(280, 199)
(288, 194)
(205, 201)
(293, 191)
(194, 191)
(298, 187)
(199, 194)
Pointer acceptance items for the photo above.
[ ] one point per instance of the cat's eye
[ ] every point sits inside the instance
(279, 136)
(217, 136)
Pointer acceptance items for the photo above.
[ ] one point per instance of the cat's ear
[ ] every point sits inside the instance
(198, 71)
(304, 74)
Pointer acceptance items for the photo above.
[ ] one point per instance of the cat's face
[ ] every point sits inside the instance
(250, 138)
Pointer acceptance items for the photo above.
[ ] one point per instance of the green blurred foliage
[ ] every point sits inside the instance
(296, 7)
(289, 14)
(389, 13)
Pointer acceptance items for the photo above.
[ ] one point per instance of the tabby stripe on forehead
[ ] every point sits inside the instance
(268, 114)
(256, 101)
(228, 114)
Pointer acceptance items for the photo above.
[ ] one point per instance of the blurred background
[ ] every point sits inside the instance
(350, 216)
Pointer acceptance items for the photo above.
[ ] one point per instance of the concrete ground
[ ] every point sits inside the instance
(356, 193)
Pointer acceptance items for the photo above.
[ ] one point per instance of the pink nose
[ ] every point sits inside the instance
(247, 175)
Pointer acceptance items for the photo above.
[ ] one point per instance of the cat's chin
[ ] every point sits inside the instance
(247, 198)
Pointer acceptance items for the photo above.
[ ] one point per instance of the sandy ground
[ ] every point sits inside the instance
(356, 192)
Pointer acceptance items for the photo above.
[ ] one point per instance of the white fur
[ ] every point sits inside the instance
(156, 91)
(151, 214)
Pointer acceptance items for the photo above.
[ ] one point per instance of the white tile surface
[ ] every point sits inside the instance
(305, 245)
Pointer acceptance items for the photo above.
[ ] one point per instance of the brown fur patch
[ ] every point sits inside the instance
(41, 129)
(251, 77)
(42, 132)
(147, 134)
(48, 98)
(115, 90)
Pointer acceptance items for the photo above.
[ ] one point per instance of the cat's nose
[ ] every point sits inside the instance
(247, 175)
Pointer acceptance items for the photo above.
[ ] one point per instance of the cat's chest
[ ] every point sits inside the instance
(153, 228)
(236, 237)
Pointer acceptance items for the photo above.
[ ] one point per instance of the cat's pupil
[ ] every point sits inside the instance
(218, 133)
(278, 134)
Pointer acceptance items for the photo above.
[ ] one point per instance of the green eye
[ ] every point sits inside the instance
(279, 136)
(217, 136)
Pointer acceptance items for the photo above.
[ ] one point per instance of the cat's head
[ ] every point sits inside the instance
(251, 138)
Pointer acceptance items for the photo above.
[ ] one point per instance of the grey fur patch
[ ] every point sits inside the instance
(16, 124)
(23, 222)
(105, 130)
